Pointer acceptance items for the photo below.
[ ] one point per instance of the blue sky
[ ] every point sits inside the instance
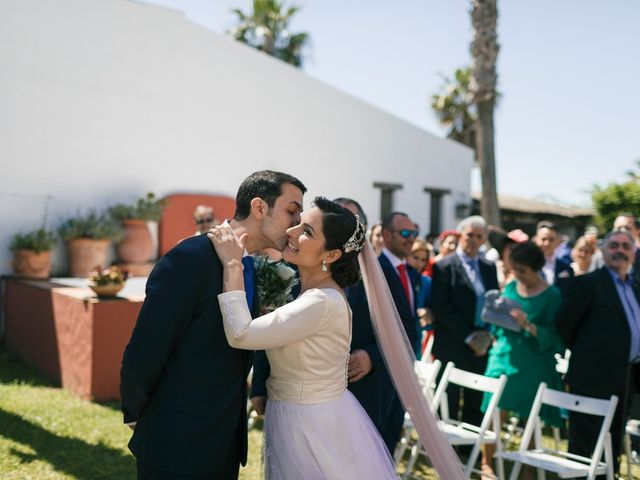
(569, 74)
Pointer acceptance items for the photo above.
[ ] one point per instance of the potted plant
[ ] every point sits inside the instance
(32, 253)
(88, 238)
(137, 245)
(107, 282)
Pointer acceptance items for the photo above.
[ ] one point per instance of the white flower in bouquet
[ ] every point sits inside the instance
(285, 272)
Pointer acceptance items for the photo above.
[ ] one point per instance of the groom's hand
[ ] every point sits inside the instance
(359, 365)
(259, 404)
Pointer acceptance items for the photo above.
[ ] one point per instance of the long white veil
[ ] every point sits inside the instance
(399, 359)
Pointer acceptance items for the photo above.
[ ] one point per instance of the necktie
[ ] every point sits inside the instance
(478, 286)
(402, 271)
(249, 284)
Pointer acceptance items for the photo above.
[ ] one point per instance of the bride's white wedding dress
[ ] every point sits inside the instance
(314, 427)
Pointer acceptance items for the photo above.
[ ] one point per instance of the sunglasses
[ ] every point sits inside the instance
(203, 221)
(625, 246)
(406, 233)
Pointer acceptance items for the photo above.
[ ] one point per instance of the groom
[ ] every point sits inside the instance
(183, 388)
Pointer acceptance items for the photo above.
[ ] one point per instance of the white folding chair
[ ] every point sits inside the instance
(461, 433)
(426, 373)
(632, 429)
(563, 464)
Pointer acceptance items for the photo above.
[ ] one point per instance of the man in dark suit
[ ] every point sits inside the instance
(556, 271)
(398, 232)
(459, 283)
(599, 321)
(183, 388)
(366, 366)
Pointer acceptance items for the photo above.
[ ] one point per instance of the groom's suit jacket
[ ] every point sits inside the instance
(180, 380)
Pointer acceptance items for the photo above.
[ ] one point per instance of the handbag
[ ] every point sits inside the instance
(496, 310)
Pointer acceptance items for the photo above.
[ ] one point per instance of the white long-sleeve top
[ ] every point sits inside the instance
(307, 342)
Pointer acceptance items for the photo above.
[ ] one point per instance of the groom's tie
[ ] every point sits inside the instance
(249, 284)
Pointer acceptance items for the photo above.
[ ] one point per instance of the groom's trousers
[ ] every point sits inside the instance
(147, 473)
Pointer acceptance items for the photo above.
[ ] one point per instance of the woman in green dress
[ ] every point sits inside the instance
(527, 357)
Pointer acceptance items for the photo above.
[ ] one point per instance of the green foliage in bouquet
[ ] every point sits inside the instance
(37, 241)
(274, 281)
(148, 208)
(93, 226)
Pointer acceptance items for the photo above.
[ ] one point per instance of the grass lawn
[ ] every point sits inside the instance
(47, 433)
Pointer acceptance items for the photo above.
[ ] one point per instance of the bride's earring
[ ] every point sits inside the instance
(324, 266)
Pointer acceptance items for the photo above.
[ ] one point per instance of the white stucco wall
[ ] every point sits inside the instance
(104, 100)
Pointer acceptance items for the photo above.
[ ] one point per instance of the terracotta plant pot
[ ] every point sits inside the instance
(137, 246)
(107, 290)
(29, 264)
(85, 254)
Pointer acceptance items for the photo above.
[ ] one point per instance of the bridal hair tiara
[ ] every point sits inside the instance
(356, 242)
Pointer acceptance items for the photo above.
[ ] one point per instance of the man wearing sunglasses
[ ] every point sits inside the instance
(204, 219)
(398, 232)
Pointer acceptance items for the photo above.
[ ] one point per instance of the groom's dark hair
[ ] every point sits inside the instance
(265, 184)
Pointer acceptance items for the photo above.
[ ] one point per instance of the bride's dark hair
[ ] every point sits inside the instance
(338, 226)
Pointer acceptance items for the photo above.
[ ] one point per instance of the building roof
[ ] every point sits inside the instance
(530, 205)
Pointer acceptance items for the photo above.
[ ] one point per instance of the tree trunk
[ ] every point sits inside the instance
(484, 77)
(485, 152)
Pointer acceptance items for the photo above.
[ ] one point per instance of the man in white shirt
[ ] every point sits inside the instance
(556, 271)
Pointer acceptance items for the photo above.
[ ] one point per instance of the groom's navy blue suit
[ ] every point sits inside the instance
(180, 380)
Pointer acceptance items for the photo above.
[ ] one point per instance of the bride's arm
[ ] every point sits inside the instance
(287, 324)
(230, 251)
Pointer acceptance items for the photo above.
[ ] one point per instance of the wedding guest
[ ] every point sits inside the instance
(460, 336)
(204, 219)
(366, 368)
(599, 321)
(418, 259)
(399, 233)
(556, 271)
(591, 236)
(526, 357)
(582, 254)
(448, 242)
(375, 237)
(627, 222)
(503, 243)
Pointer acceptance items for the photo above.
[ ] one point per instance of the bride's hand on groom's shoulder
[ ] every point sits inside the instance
(229, 248)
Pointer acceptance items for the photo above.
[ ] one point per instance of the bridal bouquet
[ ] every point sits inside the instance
(274, 281)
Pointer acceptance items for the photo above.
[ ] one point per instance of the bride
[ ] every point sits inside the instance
(314, 427)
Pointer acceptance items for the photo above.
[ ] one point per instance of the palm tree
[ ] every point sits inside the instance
(455, 109)
(266, 28)
(484, 77)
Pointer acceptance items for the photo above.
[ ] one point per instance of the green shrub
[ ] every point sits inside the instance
(148, 208)
(93, 226)
(38, 241)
